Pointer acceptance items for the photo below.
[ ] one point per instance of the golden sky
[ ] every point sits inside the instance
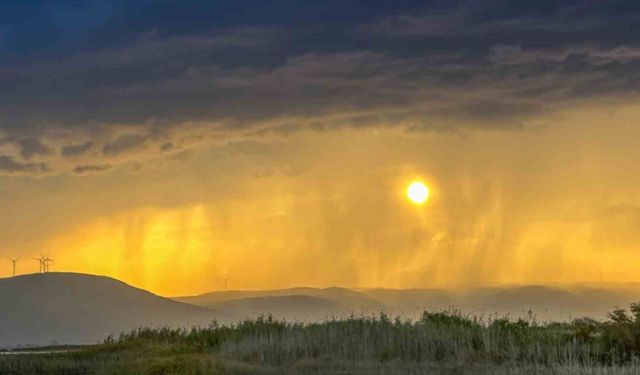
(557, 201)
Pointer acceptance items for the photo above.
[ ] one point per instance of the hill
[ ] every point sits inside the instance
(291, 308)
(557, 302)
(548, 302)
(299, 304)
(73, 308)
(410, 301)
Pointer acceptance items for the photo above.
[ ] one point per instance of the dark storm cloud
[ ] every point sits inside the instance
(30, 147)
(11, 166)
(237, 69)
(76, 149)
(166, 147)
(82, 169)
(124, 143)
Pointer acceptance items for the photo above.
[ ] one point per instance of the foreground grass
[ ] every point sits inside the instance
(446, 343)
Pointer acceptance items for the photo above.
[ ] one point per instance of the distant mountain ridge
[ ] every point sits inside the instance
(72, 308)
(526, 301)
(299, 304)
(346, 295)
(290, 308)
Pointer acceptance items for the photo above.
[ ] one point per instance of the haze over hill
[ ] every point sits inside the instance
(71, 308)
(300, 304)
(78, 308)
(541, 302)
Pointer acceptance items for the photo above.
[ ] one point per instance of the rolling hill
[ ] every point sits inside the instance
(291, 308)
(299, 304)
(410, 301)
(558, 302)
(73, 308)
(547, 302)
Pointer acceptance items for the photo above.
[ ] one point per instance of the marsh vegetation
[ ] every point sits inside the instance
(438, 342)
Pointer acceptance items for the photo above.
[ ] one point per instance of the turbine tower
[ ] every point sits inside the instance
(46, 261)
(40, 264)
(14, 261)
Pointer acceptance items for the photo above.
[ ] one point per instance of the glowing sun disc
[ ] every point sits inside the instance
(417, 192)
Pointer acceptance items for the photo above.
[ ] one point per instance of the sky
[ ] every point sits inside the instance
(178, 144)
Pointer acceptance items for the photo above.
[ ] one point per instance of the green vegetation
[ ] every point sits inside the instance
(443, 342)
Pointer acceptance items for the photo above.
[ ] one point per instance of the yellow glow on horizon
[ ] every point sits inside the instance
(418, 192)
(188, 250)
(309, 222)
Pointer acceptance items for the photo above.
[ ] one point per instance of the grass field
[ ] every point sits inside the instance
(441, 343)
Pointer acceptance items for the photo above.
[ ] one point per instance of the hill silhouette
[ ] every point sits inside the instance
(291, 308)
(300, 304)
(548, 302)
(558, 302)
(72, 308)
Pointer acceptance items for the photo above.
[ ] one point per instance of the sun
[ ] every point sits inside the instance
(417, 192)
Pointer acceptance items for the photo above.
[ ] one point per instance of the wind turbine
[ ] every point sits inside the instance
(46, 262)
(14, 261)
(40, 264)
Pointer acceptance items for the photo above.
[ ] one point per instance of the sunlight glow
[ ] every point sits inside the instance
(417, 192)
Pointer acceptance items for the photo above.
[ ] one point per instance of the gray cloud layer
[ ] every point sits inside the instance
(444, 68)
(76, 149)
(30, 147)
(82, 169)
(11, 166)
(124, 143)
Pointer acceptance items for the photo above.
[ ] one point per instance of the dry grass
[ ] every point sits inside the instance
(441, 343)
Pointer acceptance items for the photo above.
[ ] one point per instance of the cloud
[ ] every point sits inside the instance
(124, 143)
(9, 165)
(83, 169)
(455, 65)
(595, 56)
(30, 147)
(166, 147)
(76, 149)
